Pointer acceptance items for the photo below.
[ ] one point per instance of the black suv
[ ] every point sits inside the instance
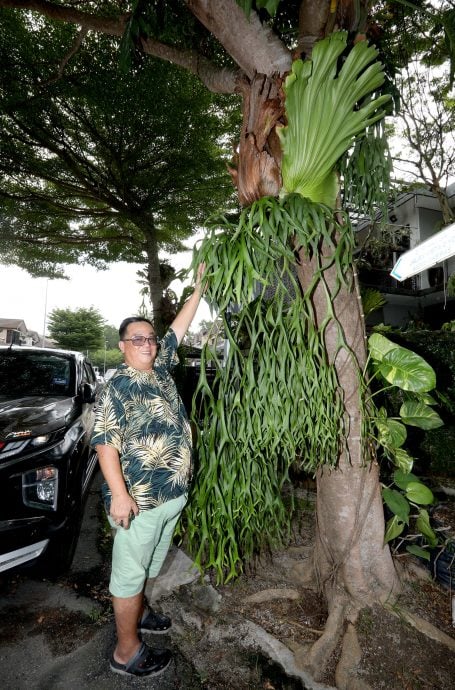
(46, 418)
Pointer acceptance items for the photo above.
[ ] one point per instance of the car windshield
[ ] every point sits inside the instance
(34, 373)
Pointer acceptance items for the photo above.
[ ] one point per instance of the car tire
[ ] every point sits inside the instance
(58, 557)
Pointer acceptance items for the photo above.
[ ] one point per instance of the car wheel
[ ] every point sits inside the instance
(58, 557)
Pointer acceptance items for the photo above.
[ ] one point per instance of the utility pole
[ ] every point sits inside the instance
(43, 341)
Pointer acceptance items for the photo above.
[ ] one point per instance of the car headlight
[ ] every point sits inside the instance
(40, 488)
(40, 440)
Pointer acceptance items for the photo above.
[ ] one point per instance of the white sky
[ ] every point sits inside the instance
(114, 292)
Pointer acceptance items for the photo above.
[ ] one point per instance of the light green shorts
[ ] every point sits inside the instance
(139, 551)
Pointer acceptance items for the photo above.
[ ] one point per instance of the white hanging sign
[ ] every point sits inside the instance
(430, 252)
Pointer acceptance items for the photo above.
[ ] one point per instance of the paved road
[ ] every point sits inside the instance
(52, 637)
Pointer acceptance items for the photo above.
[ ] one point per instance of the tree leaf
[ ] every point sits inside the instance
(403, 460)
(397, 503)
(423, 525)
(372, 299)
(416, 492)
(392, 434)
(427, 399)
(418, 551)
(270, 6)
(379, 345)
(407, 370)
(420, 415)
(394, 527)
(402, 479)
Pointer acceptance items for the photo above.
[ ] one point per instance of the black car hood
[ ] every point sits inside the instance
(38, 414)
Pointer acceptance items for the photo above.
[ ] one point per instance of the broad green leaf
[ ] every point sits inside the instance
(394, 527)
(419, 493)
(379, 345)
(403, 460)
(424, 527)
(402, 479)
(419, 414)
(427, 399)
(418, 551)
(407, 370)
(397, 503)
(392, 434)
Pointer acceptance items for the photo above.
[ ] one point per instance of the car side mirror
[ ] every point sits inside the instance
(88, 392)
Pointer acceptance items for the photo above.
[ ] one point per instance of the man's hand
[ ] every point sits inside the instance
(199, 274)
(123, 507)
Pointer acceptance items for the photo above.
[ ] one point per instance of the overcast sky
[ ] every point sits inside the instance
(115, 293)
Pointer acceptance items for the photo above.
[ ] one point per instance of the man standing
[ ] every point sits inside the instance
(143, 440)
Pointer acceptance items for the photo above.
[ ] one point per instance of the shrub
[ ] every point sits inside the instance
(435, 449)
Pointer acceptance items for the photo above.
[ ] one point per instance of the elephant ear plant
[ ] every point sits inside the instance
(402, 370)
(276, 399)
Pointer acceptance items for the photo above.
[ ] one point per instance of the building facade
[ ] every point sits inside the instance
(423, 298)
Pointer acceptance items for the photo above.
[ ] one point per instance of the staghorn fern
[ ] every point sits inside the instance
(326, 109)
(264, 412)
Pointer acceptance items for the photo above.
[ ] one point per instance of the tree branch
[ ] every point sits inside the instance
(216, 79)
(73, 50)
(253, 46)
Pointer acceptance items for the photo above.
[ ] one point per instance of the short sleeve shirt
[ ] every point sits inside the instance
(142, 416)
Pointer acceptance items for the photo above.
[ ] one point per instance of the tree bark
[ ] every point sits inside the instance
(255, 169)
(350, 555)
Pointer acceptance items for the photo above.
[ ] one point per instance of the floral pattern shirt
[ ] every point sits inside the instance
(142, 416)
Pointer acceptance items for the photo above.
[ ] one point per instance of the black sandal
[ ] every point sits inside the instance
(146, 662)
(154, 622)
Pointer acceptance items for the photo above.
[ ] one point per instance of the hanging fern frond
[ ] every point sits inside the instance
(277, 399)
(365, 172)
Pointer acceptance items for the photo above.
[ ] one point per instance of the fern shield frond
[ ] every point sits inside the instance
(326, 109)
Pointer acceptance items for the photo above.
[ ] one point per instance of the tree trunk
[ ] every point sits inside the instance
(154, 281)
(448, 215)
(350, 554)
(255, 169)
(352, 565)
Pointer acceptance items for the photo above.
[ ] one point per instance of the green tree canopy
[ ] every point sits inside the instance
(111, 337)
(80, 329)
(426, 132)
(98, 165)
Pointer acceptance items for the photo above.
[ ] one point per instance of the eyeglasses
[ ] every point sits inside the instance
(139, 340)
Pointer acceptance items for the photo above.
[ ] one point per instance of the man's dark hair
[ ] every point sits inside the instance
(131, 319)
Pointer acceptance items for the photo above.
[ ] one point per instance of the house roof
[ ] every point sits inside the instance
(13, 323)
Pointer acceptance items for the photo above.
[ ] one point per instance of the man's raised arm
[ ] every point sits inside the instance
(186, 314)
